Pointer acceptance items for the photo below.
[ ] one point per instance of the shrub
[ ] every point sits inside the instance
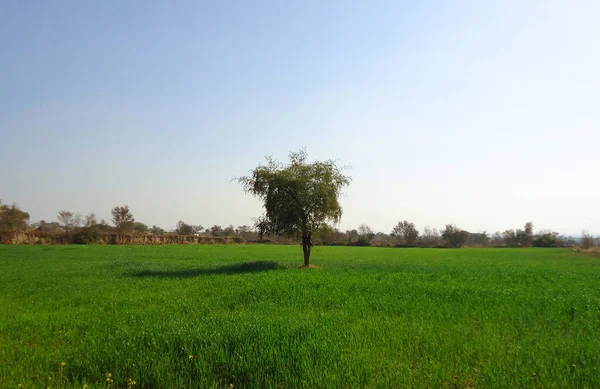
(86, 235)
(547, 239)
(587, 240)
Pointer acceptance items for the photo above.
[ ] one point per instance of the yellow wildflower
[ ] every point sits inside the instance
(63, 364)
(191, 356)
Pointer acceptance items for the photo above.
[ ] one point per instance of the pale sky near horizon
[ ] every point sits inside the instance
(481, 113)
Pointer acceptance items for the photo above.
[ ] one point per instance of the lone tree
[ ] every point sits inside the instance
(69, 220)
(122, 218)
(406, 233)
(299, 198)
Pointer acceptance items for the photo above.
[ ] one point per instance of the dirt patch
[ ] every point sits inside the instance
(308, 267)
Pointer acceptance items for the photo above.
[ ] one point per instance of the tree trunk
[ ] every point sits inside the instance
(306, 246)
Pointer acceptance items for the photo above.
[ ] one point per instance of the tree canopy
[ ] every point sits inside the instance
(122, 218)
(12, 218)
(298, 197)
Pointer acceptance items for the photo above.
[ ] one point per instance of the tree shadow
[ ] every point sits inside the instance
(237, 268)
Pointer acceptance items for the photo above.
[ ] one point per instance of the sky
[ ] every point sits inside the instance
(485, 114)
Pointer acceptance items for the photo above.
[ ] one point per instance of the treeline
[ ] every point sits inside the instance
(71, 227)
(406, 234)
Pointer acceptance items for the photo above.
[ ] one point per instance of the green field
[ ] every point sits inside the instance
(245, 315)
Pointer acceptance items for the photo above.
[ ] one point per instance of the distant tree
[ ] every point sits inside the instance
(216, 230)
(187, 229)
(339, 236)
(527, 236)
(122, 218)
(154, 230)
(140, 228)
(431, 237)
(52, 228)
(570, 241)
(547, 239)
(12, 218)
(352, 235)
(454, 236)
(510, 238)
(246, 232)
(497, 239)
(90, 220)
(406, 233)
(324, 233)
(244, 229)
(365, 235)
(298, 197)
(479, 239)
(86, 235)
(77, 220)
(381, 239)
(229, 231)
(586, 241)
(69, 220)
(519, 238)
(103, 227)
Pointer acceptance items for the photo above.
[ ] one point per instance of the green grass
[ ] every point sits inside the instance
(366, 317)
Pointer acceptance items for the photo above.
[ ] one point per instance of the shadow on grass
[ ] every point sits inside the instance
(238, 268)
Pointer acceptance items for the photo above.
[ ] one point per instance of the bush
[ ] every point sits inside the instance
(86, 235)
(454, 236)
(587, 240)
(547, 239)
(362, 242)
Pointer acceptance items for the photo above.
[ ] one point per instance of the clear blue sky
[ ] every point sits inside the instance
(481, 113)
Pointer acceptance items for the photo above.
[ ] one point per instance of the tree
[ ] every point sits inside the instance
(103, 227)
(519, 237)
(547, 239)
(187, 229)
(365, 235)
(527, 237)
(140, 228)
(324, 233)
(244, 229)
(122, 218)
(479, 239)
(454, 236)
(90, 220)
(229, 231)
(156, 230)
(510, 238)
(298, 198)
(69, 220)
(352, 235)
(216, 230)
(406, 233)
(497, 239)
(586, 241)
(246, 232)
(430, 237)
(12, 218)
